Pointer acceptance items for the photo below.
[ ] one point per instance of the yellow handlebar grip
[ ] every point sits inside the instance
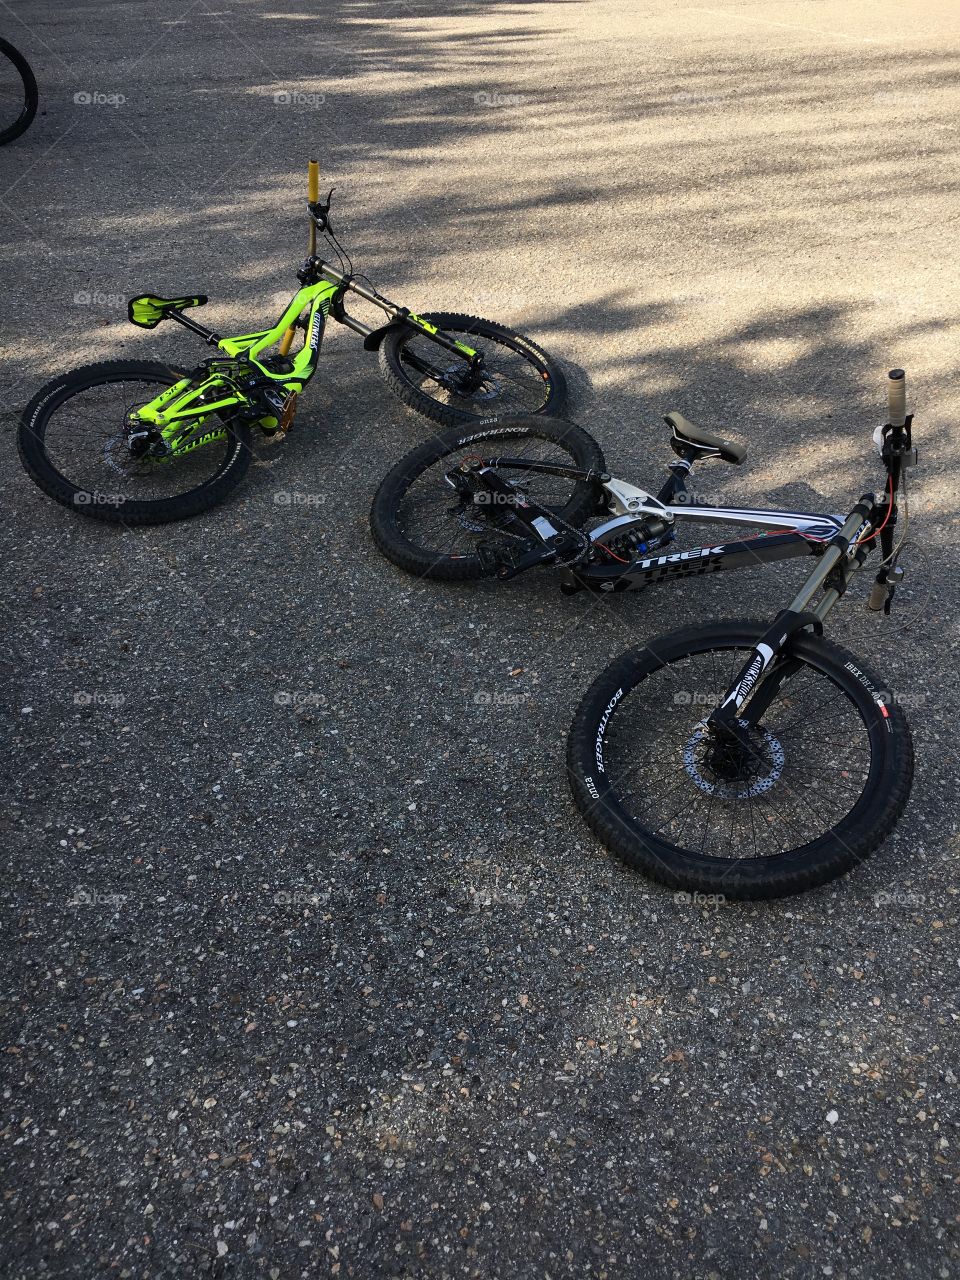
(313, 181)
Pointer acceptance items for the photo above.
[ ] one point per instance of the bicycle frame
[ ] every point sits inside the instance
(223, 387)
(259, 387)
(796, 533)
(841, 542)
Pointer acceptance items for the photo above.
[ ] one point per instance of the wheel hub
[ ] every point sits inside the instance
(469, 383)
(733, 770)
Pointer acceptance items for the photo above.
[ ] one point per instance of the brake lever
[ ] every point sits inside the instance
(320, 211)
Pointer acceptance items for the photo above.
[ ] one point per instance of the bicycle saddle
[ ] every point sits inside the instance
(686, 435)
(148, 310)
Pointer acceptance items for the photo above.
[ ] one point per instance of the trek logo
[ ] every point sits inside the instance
(702, 553)
(602, 726)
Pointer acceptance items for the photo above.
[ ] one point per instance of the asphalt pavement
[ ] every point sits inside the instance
(311, 967)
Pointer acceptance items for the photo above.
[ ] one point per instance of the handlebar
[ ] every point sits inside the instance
(897, 397)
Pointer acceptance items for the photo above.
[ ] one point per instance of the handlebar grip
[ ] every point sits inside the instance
(897, 397)
(313, 196)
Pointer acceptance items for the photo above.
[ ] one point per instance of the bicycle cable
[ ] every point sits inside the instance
(346, 266)
(906, 524)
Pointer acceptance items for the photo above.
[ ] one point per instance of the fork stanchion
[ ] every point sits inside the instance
(313, 195)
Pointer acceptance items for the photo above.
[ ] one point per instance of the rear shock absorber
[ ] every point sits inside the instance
(636, 538)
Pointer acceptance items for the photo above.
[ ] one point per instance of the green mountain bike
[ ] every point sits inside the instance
(137, 442)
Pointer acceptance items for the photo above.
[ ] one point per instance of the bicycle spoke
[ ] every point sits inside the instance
(793, 778)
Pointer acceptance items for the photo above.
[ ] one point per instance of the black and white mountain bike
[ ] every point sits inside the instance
(744, 759)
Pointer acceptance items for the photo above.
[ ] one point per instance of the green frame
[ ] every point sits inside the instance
(181, 411)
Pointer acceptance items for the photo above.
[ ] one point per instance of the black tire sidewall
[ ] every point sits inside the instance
(384, 524)
(391, 367)
(32, 450)
(830, 855)
(31, 94)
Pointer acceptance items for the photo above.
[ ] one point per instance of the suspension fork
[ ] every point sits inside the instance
(766, 670)
(897, 452)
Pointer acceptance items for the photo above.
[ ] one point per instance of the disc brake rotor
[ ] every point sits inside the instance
(766, 760)
(117, 457)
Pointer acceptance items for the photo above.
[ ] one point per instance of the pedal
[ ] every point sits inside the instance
(277, 427)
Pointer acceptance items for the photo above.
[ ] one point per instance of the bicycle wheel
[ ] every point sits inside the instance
(73, 444)
(518, 376)
(421, 525)
(18, 93)
(822, 783)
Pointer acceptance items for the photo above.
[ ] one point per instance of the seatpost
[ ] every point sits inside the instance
(313, 195)
(208, 335)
